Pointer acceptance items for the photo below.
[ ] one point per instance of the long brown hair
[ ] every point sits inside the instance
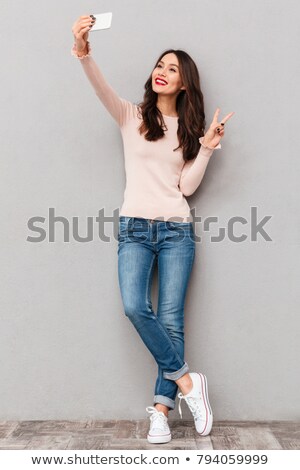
(189, 106)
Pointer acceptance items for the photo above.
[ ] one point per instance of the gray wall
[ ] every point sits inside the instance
(67, 350)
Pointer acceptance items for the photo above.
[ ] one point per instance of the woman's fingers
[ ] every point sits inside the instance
(216, 115)
(81, 26)
(83, 19)
(215, 118)
(228, 116)
(80, 20)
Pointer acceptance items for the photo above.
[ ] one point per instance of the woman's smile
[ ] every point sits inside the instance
(160, 81)
(166, 74)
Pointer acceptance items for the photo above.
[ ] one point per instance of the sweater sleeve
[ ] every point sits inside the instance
(119, 108)
(193, 170)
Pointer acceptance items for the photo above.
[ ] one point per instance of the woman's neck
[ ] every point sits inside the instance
(167, 106)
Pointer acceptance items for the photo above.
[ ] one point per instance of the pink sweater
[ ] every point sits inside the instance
(157, 179)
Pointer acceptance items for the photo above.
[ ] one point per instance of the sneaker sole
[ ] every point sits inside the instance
(159, 439)
(204, 389)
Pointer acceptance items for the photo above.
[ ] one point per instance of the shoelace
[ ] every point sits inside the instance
(157, 418)
(192, 404)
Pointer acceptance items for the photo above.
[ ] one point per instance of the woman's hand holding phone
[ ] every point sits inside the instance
(80, 31)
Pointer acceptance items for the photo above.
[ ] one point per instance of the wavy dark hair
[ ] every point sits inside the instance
(189, 106)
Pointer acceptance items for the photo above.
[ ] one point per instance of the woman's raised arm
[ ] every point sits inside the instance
(119, 108)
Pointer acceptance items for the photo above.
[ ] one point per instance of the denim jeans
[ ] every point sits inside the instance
(141, 243)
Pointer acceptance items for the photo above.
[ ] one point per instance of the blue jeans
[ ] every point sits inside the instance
(142, 242)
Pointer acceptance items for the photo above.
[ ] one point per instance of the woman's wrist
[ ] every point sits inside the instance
(83, 52)
(204, 142)
(206, 145)
(80, 54)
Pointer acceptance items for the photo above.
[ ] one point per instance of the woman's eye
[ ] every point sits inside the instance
(159, 66)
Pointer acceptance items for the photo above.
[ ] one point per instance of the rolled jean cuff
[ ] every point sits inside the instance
(177, 374)
(164, 401)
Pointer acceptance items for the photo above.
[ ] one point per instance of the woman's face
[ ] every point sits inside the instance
(167, 69)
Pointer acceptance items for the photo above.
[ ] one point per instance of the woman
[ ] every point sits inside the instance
(166, 155)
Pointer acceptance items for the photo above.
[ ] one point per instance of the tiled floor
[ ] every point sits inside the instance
(84, 435)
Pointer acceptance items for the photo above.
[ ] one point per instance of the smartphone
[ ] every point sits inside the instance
(103, 21)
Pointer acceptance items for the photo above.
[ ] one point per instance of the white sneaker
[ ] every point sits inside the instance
(197, 401)
(159, 432)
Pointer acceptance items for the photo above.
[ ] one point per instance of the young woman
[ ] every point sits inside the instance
(166, 155)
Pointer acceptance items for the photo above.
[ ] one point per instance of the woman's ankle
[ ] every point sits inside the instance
(185, 383)
(162, 408)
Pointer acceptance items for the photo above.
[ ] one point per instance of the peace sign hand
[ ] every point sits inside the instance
(216, 130)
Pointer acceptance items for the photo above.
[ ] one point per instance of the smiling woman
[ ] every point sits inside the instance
(172, 68)
(173, 90)
(166, 155)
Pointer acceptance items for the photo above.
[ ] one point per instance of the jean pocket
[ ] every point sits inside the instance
(123, 227)
(133, 229)
(138, 225)
(179, 224)
(179, 231)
